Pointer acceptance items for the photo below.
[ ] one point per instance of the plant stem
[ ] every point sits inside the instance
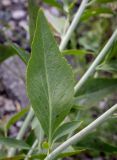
(36, 142)
(99, 58)
(73, 25)
(26, 122)
(95, 63)
(91, 2)
(22, 130)
(82, 133)
(32, 149)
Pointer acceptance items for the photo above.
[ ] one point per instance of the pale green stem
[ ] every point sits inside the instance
(22, 130)
(73, 25)
(99, 58)
(76, 119)
(77, 137)
(32, 149)
(95, 63)
(25, 123)
(91, 2)
(36, 142)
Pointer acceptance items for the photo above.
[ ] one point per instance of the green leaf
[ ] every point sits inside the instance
(108, 66)
(53, 3)
(65, 129)
(12, 49)
(5, 52)
(20, 52)
(94, 12)
(76, 52)
(16, 117)
(56, 22)
(92, 142)
(70, 153)
(95, 90)
(18, 157)
(33, 11)
(11, 142)
(37, 128)
(31, 138)
(49, 79)
(106, 1)
(40, 156)
(72, 5)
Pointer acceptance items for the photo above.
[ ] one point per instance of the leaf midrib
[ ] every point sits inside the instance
(48, 89)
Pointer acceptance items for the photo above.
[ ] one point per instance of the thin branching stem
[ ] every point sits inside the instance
(32, 149)
(36, 142)
(22, 131)
(77, 137)
(73, 25)
(25, 123)
(99, 58)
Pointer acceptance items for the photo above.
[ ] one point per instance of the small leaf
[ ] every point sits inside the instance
(40, 156)
(95, 90)
(92, 142)
(18, 157)
(11, 142)
(56, 22)
(94, 12)
(20, 52)
(31, 138)
(53, 3)
(108, 67)
(70, 153)
(37, 128)
(76, 52)
(106, 1)
(49, 79)
(5, 52)
(12, 49)
(33, 11)
(65, 129)
(16, 117)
